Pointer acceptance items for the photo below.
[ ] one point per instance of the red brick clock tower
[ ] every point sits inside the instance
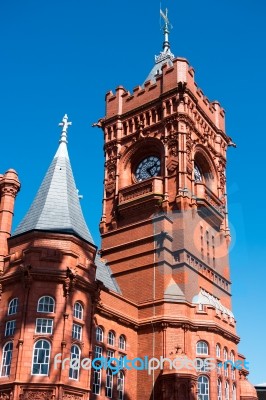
(162, 287)
(165, 230)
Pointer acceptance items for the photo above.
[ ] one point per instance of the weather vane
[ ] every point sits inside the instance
(166, 19)
(166, 30)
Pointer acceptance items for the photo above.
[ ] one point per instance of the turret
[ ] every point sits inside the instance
(9, 187)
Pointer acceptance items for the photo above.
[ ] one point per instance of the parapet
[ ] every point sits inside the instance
(123, 101)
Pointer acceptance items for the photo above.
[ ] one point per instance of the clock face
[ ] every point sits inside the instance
(197, 174)
(148, 168)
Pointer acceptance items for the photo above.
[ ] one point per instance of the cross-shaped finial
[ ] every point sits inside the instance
(65, 124)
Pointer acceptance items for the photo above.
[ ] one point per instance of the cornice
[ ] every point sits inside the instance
(161, 321)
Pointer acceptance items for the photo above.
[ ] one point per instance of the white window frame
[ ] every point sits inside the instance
(74, 355)
(120, 385)
(219, 390)
(232, 357)
(202, 348)
(219, 369)
(110, 354)
(48, 302)
(206, 385)
(97, 380)
(226, 370)
(99, 334)
(6, 359)
(10, 327)
(234, 392)
(122, 342)
(77, 331)
(109, 383)
(111, 338)
(225, 354)
(13, 306)
(78, 310)
(204, 367)
(98, 353)
(226, 391)
(37, 357)
(218, 351)
(44, 326)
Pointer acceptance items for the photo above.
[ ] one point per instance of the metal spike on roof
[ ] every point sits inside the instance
(165, 56)
(56, 207)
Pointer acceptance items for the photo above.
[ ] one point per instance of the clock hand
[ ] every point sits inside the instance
(149, 169)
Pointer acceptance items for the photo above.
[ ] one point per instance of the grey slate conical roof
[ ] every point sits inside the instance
(56, 207)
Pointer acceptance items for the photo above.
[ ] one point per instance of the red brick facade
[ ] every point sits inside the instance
(165, 238)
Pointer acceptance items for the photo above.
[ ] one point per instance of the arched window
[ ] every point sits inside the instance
(109, 383)
(46, 304)
(232, 357)
(74, 362)
(225, 354)
(13, 306)
(219, 390)
(120, 385)
(41, 358)
(218, 350)
(78, 310)
(204, 171)
(122, 342)
(202, 348)
(6, 359)
(226, 390)
(203, 388)
(99, 334)
(111, 338)
(197, 173)
(234, 392)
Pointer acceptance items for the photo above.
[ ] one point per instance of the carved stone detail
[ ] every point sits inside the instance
(10, 190)
(6, 396)
(71, 396)
(172, 166)
(70, 280)
(111, 149)
(222, 179)
(134, 192)
(173, 147)
(111, 173)
(26, 275)
(37, 395)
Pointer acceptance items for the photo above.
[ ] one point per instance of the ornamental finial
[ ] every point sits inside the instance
(166, 53)
(166, 29)
(65, 124)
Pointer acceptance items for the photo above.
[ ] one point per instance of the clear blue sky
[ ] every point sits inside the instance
(62, 57)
